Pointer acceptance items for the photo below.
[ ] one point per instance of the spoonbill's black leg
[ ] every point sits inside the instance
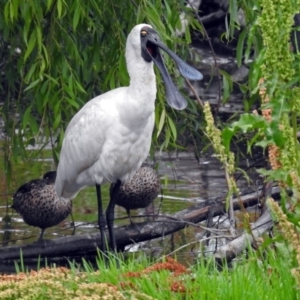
(110, 216)
(101, 219)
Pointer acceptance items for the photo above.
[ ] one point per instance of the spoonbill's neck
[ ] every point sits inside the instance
(142, 76)
(142, 80)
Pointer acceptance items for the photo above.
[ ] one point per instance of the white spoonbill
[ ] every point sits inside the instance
(109, 138)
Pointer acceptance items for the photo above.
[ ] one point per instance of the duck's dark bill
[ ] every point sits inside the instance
(174, 98)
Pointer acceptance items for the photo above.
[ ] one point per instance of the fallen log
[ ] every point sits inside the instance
(234, 248)
(86, 244)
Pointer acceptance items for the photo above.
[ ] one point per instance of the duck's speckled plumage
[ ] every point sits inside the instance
(37, 202)
(140, 190)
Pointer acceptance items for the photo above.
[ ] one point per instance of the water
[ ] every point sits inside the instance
(185, 180)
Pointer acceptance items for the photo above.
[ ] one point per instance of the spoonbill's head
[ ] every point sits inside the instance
(146, 43)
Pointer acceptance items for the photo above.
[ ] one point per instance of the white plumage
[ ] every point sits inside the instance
(109, 138)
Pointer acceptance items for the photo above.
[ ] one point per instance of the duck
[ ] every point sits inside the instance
(38, 204)
(140, 191)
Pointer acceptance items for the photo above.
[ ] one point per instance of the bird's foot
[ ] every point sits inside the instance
(134, 226)
(42, 242)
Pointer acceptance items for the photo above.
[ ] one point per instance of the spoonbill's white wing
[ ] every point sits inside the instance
(83, 144)
(98, 140)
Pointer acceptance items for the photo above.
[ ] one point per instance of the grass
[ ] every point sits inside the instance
(250, 278)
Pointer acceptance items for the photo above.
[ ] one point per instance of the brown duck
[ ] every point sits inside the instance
(140, 190)
(36, 201)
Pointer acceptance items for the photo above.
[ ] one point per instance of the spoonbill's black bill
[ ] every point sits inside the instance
(150, 44)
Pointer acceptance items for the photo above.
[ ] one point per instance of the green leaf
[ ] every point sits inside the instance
(30, 73)
(249, 122)
(79, 86)
(262, 143)
(233, 11)
(39, 38)
(32, 85)
(31, 45)
(227, 86)
(73, 103)
(6, 12)
(173, 128)
(227, 134)
(57, 121)
(161, 122)
(33, 125)
(49, 4)
(26, 117)
(240, 47)
(57, 107)
(16, 6)
(76, 16)
(69, 90)
(11, 11)
(51, 78)
(59, 8)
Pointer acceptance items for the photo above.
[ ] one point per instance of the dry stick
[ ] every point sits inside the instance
(172, 220)
(213, 54)
(194, 92)
(231, 210)
(212, 230)
(223, 236)
(199, 241)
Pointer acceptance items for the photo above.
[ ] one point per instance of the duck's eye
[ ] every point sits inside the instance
(143, 33)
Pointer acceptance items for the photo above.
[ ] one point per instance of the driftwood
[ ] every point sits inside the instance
(234, 248)
(86, 244)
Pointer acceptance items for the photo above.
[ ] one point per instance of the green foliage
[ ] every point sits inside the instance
(274, 74)
(59, 54)
(252, 278)
(227, 86)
